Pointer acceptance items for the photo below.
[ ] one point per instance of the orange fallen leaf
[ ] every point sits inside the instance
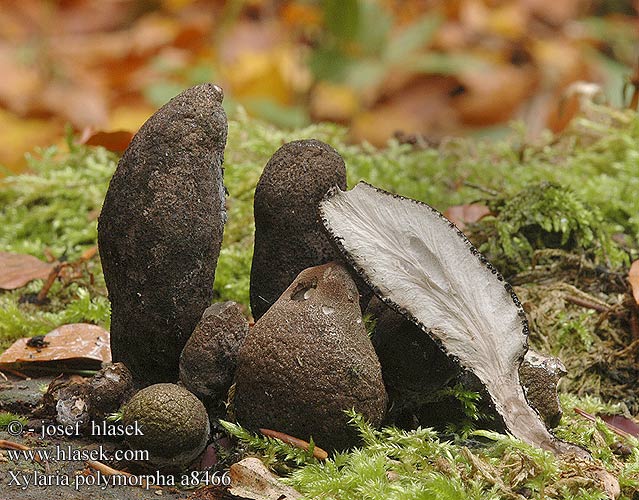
(493, 94)
(16, 270)
(633, 277)
(116, 141)
(461, 215)
(78, 344)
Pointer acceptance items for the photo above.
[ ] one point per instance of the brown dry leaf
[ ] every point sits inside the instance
(492, 95)
(77, 344)
(422, 107)
(16, 270)
(633, 277)
(82, 105)
(252, 480)
(461, 215)
(622, 423)
(553, 11)
(116, 141)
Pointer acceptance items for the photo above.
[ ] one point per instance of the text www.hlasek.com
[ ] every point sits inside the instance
(70, 454)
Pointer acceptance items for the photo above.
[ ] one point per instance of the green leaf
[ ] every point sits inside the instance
(414, 37)
(366, 73)
(329, 63)
(282, 116)
(342, 18)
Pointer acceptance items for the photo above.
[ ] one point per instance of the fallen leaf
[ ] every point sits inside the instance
(22, 134)
(16, 270)
(633, 277)
(82, 345)
(622, 423)
(333, 102)
(552, 11)
(116, 141)
(493, 94)
(252, 480)
(422, 107)
(460, 215)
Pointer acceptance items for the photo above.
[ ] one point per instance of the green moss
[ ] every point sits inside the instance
(543, 216)
(6, 418)
(397, 464)
(593, 165)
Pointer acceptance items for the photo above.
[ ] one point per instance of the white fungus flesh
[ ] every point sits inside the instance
(421, 265)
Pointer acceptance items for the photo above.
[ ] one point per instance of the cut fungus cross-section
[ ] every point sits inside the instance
(422, 266)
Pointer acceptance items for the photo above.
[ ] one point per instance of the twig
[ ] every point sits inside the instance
(580, 301)
(10, 445)
(110, 471)
(318, 452)
(480, 188)
(628, 349)
(488, 472)
(55, 272)
(16, 373)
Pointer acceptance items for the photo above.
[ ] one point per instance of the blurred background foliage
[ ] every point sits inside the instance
(412, 69)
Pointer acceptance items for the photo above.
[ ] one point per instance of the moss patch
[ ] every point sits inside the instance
(55, 206)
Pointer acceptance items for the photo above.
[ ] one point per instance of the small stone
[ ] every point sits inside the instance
(299, 368)
(209, 359)
(288, 234)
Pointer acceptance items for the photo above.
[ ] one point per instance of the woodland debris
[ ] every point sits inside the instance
(422, 266)
(318, 452)
(250, 479)
(633, 277)
(16, 270)
(75, 346)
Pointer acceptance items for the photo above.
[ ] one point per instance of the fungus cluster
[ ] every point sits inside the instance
(442, 311)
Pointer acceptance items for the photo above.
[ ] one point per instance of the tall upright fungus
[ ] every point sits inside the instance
(160, 232)
(288, 234)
